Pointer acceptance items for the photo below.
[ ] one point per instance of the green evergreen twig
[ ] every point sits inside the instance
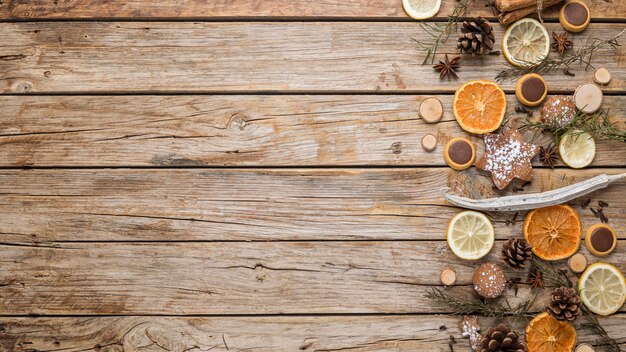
(474, 305)
(580, 56)
(441, 33)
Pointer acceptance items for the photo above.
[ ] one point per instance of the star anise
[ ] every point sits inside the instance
(561, 43)
(448, 68)
(535, 279)
(548, 155)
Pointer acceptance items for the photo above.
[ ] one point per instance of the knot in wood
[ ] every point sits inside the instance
(237, 120)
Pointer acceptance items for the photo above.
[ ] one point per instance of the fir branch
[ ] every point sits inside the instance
(580, 56)
(603, 341)
(487, 308)
(597, 124)
(559, 278)
(552, 276)
(441, 33)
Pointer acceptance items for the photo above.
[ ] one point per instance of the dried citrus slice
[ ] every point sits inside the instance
(602, 288)
(421, 9)
(577, 149)
(470, 235)
(554, 232)
(525, 42)
(546, 334)
(479, 106)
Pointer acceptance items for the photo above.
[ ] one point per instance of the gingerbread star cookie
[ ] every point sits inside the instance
(507, 157)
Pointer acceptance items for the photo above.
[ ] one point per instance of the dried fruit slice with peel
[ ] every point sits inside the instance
(554, 232)
(479, 106)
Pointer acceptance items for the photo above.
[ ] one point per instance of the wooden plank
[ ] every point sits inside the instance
(266, 205)
(327, 333)
(237, 131)
(235, 277)
(237, 9)
(104, 57)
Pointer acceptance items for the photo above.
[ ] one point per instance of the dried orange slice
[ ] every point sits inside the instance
(479, 106)
(554, 232)
(546, 334)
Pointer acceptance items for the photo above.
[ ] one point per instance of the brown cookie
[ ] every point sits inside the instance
(558, 110)
(507, 157)
(489, 280)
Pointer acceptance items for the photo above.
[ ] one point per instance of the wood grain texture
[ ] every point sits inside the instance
(236, 277)
(258, 205)
(258, 9)
(105, 57)
(238, 131)
(321, 334)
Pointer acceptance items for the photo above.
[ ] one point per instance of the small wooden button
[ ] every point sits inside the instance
(577, 263)
(431, 110)
(447, 277)
(531, 89)
(601, 239)
(584, 347)
(574, 16)
(429, 142)
(459, 153)
(588, 98)
(602, 76)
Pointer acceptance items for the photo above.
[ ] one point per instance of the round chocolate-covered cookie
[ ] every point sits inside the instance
(459, 153)
(558, 110)
(531, 89)
(601, 239)
(574, 16)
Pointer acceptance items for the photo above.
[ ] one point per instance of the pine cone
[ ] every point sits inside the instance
(477, 36)
(564, 304)
(516, 252)
(502, 339)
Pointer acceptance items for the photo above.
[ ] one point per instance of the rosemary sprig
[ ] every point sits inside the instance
(487, 308)
(552, 276)
(597, 124)
(603, 341)
(441, 33)
(581, 56)
(559, 278)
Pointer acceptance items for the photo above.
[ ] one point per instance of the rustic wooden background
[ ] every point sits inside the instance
(243, 175)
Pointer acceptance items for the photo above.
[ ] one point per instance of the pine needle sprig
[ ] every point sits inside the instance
(558, 278)
(580, 56)
(488, 308)
(603, 341)
(441, 33)
(597, 124)
(552, 276)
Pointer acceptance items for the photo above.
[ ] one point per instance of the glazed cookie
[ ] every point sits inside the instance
(559, 110)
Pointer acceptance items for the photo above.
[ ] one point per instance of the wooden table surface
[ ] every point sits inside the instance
(245, 175)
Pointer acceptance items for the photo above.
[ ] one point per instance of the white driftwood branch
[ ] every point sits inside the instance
(536, 200)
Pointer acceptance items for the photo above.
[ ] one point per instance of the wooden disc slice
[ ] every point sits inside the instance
(448, 277)
(429, 142)
(602, 76)
(577, 263)
(431, 110)
(584, 347)
(588, 98)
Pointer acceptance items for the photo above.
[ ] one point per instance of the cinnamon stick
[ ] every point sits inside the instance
(512, 5)
(509, 17)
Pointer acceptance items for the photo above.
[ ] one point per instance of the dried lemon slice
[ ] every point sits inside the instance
(526, 42)
(421, 9)
(470, 235)
(602, 288)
